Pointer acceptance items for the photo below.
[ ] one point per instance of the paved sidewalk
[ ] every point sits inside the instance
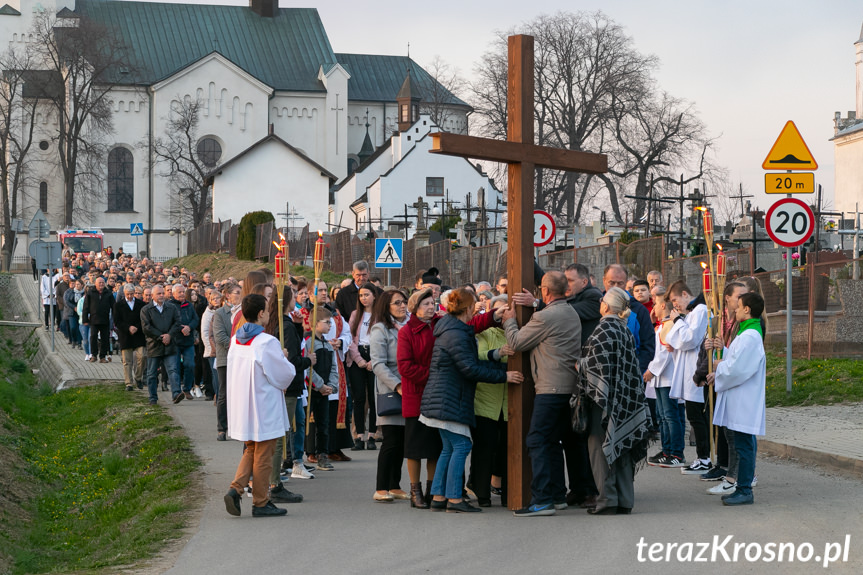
(76, 369)
(827, 435)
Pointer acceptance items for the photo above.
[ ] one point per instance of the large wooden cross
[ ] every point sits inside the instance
(522, 157)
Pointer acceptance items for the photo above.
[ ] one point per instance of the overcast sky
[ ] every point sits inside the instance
(748, 66)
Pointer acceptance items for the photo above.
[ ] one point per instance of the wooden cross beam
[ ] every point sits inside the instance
(522, 157)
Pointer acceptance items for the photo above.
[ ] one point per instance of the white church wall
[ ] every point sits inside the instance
(848, 172)
(234, 113)
(297, 118)
(265, 180)
(356, 186)
(382, 122)
(335, 80)
(130, 114)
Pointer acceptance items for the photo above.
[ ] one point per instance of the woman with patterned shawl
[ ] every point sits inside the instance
(611, 382)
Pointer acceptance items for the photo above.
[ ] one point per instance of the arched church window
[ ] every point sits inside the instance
(43, 197)
(209, 151)
(121, 180)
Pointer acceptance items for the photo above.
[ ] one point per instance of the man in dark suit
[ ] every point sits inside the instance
(98, 304)
(127, 320)
(346, 300)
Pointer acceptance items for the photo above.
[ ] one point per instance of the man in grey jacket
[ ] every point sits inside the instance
(553, 336)
(160, 323)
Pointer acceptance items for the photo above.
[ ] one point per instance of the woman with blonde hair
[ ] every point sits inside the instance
(611, 382)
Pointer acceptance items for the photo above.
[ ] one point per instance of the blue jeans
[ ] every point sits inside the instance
(186, 355)
(85, 334)
(74, 329)
(449, 474)
(551, 415)
(170, 363)
(298, 437)
(211, 361)
(672, 426)
(747, 447)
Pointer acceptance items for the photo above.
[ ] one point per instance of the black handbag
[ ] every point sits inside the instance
(580, 413)
(389, 403)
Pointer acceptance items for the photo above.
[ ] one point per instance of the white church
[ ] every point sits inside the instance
(848, 146)
(285, 122)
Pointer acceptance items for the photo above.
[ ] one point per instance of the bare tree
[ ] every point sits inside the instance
(21, 88)
(654, 136)
(584, 63)
(183, 166)
(442, 92)
(87, 58)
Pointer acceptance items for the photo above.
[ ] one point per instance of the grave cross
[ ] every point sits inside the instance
(522, 156)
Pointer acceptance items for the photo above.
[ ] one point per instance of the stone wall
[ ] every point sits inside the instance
(49, 366)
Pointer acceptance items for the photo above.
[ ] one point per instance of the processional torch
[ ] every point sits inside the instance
(281, 281)
(319, 268)
(711, 297)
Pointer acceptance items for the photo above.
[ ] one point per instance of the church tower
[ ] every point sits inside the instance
(408, 100)
(368, 148)
(859, 46)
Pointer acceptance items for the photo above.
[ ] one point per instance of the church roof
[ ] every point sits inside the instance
(284, 52)
(8, 10)
(273, 138)
(376, 78)
(861, 36)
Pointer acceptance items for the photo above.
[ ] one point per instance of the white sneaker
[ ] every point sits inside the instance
(724, 488)
(87, 357)
(300, 472)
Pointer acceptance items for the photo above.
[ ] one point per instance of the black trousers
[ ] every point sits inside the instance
(696, 413)
(723, 451)
(391, 457)
(363, 392)
(222, 403)
(100, 339)
(581, 482)
(321, 413)
(489, 441)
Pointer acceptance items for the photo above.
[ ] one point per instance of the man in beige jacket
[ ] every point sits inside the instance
(553, 336)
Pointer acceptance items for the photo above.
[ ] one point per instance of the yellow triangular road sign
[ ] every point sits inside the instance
(790, 152)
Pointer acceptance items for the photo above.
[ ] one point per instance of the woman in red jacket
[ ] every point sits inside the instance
(416, 342)
(415, 345)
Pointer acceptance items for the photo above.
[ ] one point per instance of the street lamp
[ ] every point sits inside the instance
(177, 232)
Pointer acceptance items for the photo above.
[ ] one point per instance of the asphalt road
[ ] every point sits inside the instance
(339, 529)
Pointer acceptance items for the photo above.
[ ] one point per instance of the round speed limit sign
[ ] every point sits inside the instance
(789, 222)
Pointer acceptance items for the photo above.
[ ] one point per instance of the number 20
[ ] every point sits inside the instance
(785, 216)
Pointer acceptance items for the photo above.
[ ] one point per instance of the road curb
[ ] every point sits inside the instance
(838, 463)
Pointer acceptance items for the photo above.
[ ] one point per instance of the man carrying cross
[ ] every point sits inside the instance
(553, 337)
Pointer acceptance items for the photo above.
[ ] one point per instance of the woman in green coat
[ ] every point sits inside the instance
(489, 452)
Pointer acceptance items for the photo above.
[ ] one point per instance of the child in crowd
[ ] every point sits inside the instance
(324, 379)
(740, 381)
(658, 378)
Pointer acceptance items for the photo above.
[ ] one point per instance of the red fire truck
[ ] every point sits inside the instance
(82, 241)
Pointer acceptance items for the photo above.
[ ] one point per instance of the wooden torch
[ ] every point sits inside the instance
(319, 268)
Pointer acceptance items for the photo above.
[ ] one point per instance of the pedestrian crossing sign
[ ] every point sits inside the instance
(388, 253)
(136, 229)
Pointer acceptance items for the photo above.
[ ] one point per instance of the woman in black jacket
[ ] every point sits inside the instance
(292, 454)
(448, 399)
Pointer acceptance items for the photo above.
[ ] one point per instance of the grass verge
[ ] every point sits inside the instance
(109, 476)
(814, 381)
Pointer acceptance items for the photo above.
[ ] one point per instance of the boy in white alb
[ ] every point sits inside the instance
(258, 375)
(683, 341)
(658, 379)
(740, 380)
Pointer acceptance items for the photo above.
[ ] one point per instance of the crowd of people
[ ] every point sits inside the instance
(419, 373)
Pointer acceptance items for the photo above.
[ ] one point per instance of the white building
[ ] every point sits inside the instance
(282, 114)
(848, 146)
